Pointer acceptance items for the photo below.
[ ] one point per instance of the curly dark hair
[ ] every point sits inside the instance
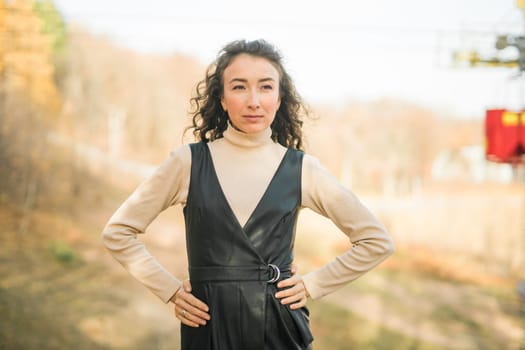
(209, 118)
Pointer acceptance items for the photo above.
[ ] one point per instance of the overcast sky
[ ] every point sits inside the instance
(336, 50)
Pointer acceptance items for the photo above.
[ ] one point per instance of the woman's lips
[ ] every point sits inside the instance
(252, 117)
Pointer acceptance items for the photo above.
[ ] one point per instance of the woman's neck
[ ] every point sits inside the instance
(244, 140)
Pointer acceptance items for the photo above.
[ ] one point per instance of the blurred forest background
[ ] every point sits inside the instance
(83, 121)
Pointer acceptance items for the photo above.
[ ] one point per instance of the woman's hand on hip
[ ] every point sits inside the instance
(295, 292)
(188, 309)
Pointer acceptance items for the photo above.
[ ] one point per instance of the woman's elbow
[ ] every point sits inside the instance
(110, 238)
(106, 238)
(389, 247)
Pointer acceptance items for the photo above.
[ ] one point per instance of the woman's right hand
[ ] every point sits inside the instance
(188, 309)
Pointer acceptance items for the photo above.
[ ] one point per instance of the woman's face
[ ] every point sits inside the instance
(251, 93)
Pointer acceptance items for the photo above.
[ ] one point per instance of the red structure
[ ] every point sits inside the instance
(505, 135)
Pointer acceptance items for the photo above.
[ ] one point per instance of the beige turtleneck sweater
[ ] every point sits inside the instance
(245, 164)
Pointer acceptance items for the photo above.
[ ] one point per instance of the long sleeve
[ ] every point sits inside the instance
(370, 243)
(166, 187)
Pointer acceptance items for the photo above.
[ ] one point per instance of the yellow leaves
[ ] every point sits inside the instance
(25, 55)
(521, 4)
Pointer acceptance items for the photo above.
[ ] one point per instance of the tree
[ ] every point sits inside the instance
(54, 26)
(29, 101)
(25, 54)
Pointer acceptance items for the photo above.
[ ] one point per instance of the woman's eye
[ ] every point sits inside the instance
(267, 87)
(238, 87)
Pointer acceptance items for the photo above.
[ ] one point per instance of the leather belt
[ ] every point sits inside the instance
(266, 273)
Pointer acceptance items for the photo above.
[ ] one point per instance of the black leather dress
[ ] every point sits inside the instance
(234, 269)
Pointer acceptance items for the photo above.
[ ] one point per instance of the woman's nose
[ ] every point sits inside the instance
(253, 100)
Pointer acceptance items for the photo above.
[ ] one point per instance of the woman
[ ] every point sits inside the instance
(242, 187)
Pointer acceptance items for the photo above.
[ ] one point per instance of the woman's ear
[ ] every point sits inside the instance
(223, 104)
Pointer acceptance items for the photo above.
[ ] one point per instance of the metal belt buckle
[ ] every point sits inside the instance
(275, 274)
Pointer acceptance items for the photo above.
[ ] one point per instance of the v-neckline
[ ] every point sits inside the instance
(259, 202)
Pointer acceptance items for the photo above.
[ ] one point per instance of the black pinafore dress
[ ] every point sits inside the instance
(235, 269)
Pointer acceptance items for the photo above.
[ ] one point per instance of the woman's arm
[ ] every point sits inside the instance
(370, 243)
(167, 186)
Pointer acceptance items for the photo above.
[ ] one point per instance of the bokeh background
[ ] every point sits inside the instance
(94, 95)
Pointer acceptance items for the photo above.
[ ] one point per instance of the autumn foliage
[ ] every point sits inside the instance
(29, 103)
(25, 51)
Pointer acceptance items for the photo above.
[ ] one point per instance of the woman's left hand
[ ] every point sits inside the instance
(295, 292)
